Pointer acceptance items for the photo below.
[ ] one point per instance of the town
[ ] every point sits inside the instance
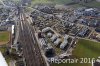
(31, 36)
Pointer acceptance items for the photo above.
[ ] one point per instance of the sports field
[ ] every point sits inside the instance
(84, 49)
(4, 37)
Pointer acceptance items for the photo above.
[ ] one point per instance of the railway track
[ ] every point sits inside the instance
(31, 50)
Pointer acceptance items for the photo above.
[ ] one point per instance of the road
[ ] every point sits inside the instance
(31, 50)
(12, 63)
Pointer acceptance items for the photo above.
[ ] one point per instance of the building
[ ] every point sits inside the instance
(98, 37)
(90, 12)
(79, 11)
(43, 42)
(49, 34)
(86, 12)
(66, 37)
(97, 29)
(58, 41)
(54, 38)
(46, 8)
(3, 28)
(63, 44)
(93, 23)
(49, 51)
(13, 29)
(83, 32)
(2, 60)
(46, 29)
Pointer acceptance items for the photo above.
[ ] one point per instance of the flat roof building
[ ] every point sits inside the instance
(13, 28)
(46, 29)
(49, 34)
(63, 44)
(57, 42)
(53, 38)
(66, 37)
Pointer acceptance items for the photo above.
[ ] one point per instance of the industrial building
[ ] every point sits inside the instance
(13, 29)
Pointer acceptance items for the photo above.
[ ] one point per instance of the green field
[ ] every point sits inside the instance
(52, 1)
(84, 49)
(89, 48)
(4, 37)
(92, 4)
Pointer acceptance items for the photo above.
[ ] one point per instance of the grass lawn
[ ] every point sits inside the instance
(4, 37)
(89, 48)
(84, 49)
(3, 49)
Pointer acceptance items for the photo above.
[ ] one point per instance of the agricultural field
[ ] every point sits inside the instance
(52, 1)
(4, 37)
(84, 49)
(92, 4)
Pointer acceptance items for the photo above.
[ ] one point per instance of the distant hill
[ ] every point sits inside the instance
(98, 0)
(90, 3)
